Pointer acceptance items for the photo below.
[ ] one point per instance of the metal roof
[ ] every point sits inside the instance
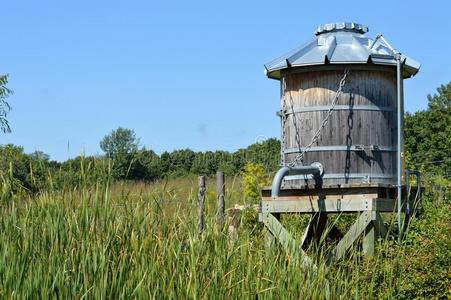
(341, 43)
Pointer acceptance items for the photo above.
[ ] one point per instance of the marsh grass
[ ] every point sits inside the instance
(138, 240)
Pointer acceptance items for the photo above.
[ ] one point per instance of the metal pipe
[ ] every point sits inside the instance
(315, 169)
(375, 40)
(389, 46)
(399, 137)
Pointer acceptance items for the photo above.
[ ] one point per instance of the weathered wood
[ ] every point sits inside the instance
(220, 191)
(326, 197)
(270, 239)
(379, 226)
(287, 241)
(278, 231)
(369, 240)
(375, 87)
(316, 205)
(369, 201)
(314, 230)
(383, 191)
(351, 236)
(201, 204)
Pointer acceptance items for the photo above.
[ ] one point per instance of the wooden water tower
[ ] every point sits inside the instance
(341, 115)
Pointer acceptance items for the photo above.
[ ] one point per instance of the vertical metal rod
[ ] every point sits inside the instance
(201, 205)
(220, 190)
(399, 137)
(282, 121)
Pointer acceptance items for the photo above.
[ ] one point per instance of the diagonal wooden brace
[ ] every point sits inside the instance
(352, 235)
(286, 239)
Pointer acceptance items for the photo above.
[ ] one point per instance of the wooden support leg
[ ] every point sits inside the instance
(379, 226)
(286, 240)
(270, 239)
(314, 230)
(374, 230)
(351, 236)
(369, 240)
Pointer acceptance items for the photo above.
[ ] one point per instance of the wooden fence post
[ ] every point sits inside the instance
(220, 190)
(201, 205)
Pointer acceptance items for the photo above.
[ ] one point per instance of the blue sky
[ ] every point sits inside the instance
(182, 74)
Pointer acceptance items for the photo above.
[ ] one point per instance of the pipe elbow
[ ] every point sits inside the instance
(315, 169)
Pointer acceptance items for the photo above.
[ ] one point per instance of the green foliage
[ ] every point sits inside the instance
(4, 105)
(426, 266)
(254, 179)
(82, 171)
(120, 142)
(428, 134)
(120, 146)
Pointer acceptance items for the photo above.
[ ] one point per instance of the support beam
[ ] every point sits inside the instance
(314, 204)
(270, 239)
(369, 240)
(351, 236)
(379, 226)
(314, 230)
(286, 240)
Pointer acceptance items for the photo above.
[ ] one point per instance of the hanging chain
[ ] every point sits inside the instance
(299, 159)
(283, 119)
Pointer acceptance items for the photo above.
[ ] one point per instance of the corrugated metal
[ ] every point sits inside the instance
(340, 43)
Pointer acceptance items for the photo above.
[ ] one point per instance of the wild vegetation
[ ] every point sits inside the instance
(123, 225)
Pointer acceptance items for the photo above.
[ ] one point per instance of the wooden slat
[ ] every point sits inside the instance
(295, 206)
(379, 226)
(325, 197)
(375, 87)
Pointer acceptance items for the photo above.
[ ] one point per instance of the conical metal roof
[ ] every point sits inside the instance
(341, 43)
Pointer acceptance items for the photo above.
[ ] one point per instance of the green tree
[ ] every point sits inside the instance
(145, 166)
(428, 134)
(120, 146)
(4, 105)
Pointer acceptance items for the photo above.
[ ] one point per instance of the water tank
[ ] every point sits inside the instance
(353, 134)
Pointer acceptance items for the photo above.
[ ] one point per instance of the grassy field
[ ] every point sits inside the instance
(136, 240)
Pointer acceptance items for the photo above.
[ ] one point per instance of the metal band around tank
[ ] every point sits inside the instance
(305, 109)
(341, 148)
(341, 176)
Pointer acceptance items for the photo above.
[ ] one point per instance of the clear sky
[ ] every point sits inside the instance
(182, 74)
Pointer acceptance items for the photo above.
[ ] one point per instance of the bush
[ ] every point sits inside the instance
(254, 179)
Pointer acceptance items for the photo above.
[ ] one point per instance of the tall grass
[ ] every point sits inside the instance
(136, 240)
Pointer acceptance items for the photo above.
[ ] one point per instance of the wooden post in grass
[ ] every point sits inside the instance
(201, 205)
(220, 190)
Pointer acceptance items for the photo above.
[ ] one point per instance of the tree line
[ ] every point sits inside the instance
(124, 159)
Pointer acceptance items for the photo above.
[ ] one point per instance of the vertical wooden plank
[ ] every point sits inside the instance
(363, 87)
(270, 239)
(369, 240)
(201, 204)
(220, 191)
(379, 226)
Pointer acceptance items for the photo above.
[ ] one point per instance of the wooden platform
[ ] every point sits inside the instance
(330, 199)
(368, 201)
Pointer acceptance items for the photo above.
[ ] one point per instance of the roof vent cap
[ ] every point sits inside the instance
(341, 26)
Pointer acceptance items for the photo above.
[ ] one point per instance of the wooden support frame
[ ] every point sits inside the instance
(293, 205)
(368, 227)
(287, 241)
